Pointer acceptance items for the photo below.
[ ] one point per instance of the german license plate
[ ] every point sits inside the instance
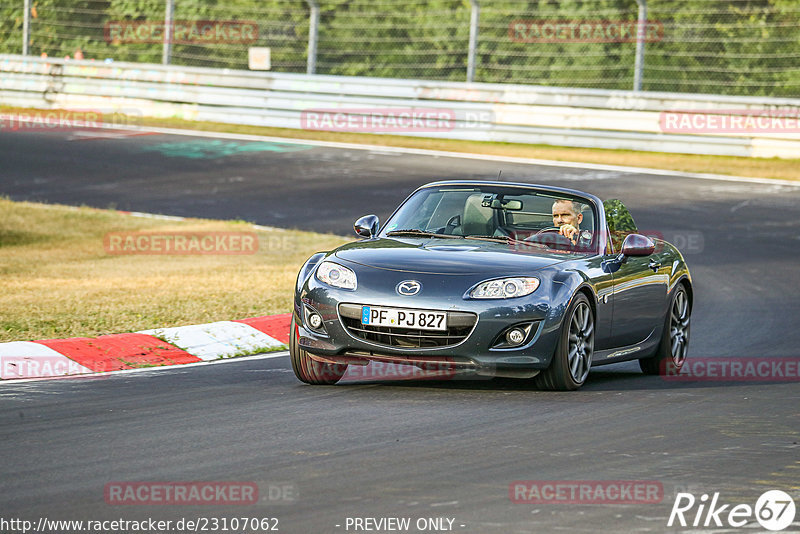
(420, 319)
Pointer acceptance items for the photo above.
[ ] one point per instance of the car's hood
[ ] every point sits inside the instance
(448, 256)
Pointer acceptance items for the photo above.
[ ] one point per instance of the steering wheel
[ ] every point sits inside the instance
(551, 236)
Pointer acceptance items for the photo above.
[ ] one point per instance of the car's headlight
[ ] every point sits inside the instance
(504, 288)
(336, 275)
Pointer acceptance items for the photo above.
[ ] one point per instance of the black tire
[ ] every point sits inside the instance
(674, 345)
(309, 370)
(573, 356)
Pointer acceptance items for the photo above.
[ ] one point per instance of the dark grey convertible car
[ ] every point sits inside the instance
(497, 279)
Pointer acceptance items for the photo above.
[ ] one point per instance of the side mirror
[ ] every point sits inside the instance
(367, 226)
(638, 245)
(634, 245)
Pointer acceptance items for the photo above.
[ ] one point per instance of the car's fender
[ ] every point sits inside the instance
(307, 268)
(564, 286)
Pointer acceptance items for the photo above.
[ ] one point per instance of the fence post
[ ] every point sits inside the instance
(168, 31)
(313, 26)
(474, 16)
(26, 28)
(641, 35)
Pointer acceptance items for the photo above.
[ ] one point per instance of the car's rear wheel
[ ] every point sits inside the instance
(674, 345)
(309, 370)
(573, 356)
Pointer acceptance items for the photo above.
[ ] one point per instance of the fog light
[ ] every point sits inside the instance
(315, 321)
(515, 336)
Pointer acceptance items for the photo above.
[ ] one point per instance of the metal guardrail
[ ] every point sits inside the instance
(488, 112)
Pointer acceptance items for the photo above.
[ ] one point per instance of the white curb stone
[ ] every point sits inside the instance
(222, 339)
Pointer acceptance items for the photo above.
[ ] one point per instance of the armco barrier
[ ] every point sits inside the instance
(591, 118)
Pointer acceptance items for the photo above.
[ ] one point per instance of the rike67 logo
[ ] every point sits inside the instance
(774, 510)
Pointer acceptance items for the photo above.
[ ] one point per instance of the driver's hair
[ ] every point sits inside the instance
(575, 206)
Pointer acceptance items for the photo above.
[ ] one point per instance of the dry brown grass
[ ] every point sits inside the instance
(57, 280)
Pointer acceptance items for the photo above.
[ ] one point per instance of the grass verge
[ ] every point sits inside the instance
(785, 169)
(57, 278)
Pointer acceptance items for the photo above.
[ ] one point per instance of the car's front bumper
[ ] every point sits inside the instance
(478, 351)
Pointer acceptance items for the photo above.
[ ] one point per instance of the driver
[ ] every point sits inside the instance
(567, 218)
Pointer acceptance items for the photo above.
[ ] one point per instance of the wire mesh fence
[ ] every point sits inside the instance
(740, 47)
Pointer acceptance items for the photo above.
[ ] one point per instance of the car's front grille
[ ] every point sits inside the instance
(460, 324)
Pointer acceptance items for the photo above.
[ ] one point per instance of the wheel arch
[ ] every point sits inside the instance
(687, 283)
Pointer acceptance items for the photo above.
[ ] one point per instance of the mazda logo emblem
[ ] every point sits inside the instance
(408, 287)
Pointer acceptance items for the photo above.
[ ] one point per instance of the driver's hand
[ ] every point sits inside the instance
(570, 232)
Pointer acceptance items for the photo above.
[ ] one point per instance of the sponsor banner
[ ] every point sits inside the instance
(584, 31)
(724, 121)
(191, 32)
(586, 491)
(737, 369)
(180, 243)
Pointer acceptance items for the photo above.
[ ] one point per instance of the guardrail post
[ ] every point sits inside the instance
(26, 28)
(169, 13)
(474, 16)
(313, 25)
(641, 35)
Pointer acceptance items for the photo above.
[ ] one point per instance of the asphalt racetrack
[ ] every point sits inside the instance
(443, 450)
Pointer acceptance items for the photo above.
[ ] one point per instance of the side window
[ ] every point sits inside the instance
(620, 222)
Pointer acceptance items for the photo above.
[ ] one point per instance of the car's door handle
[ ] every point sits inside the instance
(655, 265)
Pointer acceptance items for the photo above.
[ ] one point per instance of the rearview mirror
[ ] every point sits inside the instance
(510, 205)
(367, 226)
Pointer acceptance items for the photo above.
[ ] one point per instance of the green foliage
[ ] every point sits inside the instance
(746, 47)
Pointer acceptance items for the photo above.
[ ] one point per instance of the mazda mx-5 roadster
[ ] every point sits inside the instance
(495, 279)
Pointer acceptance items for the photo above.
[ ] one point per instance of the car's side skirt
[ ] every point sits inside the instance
(642, 349)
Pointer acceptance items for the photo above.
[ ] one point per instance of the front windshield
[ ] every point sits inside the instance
(499, 212)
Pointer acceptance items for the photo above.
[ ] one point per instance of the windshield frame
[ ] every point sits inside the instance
(599, 238)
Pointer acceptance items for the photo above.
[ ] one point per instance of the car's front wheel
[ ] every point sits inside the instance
(309, 370)
(672, 350)
(573, 357)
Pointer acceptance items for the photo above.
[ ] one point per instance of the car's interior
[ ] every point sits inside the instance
(518, 214)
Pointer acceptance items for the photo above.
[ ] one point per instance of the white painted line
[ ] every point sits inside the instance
(444, 154)
(178, 218)
(154, 216)
(267, 356)
(223, 339)
(86, 135)
(25, 359)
